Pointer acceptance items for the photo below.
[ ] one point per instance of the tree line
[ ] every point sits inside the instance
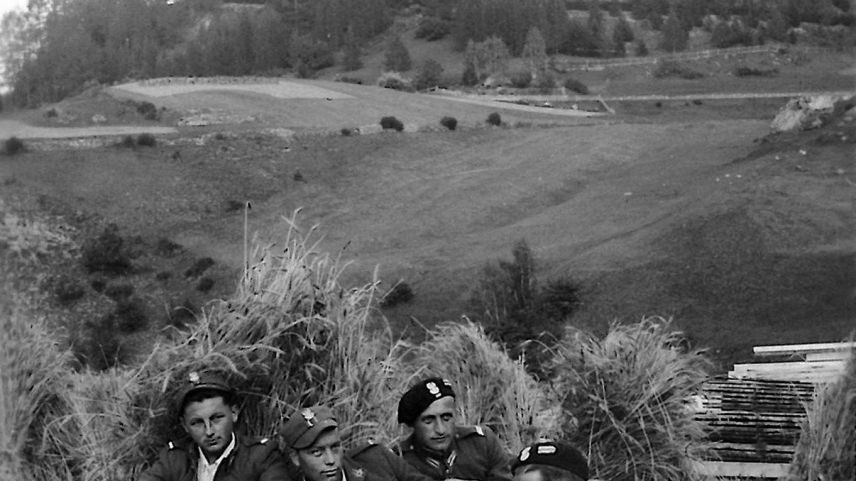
(57, 47)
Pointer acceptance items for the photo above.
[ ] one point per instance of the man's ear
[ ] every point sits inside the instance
(183, 424)
(235, 412)
(294, 459)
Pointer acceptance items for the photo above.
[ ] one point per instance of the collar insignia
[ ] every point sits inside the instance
(359, 473)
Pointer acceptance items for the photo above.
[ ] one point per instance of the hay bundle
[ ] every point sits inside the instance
(827, 446)
(625, 400)
(32, 374)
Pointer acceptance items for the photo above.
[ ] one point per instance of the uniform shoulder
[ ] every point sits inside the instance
(475, 430)
(366, 447)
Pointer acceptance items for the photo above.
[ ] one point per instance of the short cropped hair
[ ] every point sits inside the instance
(548, 473)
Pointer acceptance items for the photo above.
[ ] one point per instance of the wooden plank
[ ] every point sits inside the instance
(785, 349)
(789, 366)
(828, 356)
(815, 377)
(736, 469)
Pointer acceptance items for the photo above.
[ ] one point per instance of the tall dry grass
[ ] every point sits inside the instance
(33, 371)
(291, 335)
(826, 449)
(625, 400)
(491, 388)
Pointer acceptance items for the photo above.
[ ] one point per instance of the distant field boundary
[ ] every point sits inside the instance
(600, 64)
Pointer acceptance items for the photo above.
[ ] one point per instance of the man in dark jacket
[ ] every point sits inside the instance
(215, 452)
(439, 447)
(313, 439)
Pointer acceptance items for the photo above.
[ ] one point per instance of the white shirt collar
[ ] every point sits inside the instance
(205, 471)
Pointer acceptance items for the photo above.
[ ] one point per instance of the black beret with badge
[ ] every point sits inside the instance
(420, 396)
(555, 454)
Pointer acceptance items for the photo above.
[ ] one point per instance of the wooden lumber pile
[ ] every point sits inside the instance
(753, 420)
(754, 414)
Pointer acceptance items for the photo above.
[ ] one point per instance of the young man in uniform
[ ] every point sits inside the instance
(550, 461)
(439, 447)
(313, 440)
(208, 412)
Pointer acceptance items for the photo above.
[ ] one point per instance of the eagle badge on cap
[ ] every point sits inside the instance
(193, 377)
(309, 416)
(433, 389)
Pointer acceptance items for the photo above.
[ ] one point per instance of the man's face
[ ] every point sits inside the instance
(323, 460)
(210, 423)
(435, 427)
(523, 475)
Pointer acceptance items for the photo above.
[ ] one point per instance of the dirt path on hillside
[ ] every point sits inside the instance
(15, 128)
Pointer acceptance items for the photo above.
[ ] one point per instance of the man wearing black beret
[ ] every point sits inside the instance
(208, 412)
(313, 439)
(550, 461)
(438, 446)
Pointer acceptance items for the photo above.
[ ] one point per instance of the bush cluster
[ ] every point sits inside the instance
(146, 140)
(670, 68)
(391, 123)
(494, 119)
(106, 253)
(450, 123)
(395, 81)
(65, 288)
(575, 85)
(743, 71)
(13, 145)
(515, 309)
(147, 110)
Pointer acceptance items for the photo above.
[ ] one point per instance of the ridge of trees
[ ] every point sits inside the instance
(57, 47)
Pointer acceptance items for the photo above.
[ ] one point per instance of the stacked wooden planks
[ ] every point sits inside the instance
(753, 420)
(754, 414)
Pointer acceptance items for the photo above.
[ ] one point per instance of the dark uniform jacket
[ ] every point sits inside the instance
(476, 454)
(381, 464)
(253, 459)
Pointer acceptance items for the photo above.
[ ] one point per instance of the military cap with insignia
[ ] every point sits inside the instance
(556, 454)
(420, 396)
(303, 428)
(198, 381)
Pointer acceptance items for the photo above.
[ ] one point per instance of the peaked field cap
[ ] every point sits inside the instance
(420, 396)
(197, 381)
(555, 454)
(303, 427)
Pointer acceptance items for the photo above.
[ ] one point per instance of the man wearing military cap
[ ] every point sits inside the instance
(315, 447)
(550, 461)
(438, 446)
(208, 412)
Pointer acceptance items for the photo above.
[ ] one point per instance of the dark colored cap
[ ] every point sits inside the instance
(420, 396)
(559, 455)
(197, 381)
(304, 427)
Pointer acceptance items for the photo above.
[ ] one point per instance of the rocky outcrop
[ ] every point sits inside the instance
(805, 113)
